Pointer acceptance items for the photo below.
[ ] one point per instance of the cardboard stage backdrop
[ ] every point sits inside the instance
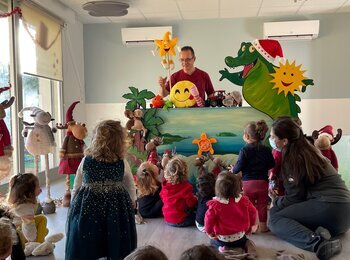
(269, 84)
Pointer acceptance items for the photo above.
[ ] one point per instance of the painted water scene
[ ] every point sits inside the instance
(183, 125)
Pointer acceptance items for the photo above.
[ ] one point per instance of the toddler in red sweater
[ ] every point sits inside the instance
(230, 215)
(177, 195)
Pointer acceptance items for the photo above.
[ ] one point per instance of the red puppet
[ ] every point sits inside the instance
(72, 150)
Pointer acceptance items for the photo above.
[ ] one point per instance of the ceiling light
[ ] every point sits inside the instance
(106, 8)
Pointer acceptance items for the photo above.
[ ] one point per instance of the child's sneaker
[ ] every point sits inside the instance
(328, 248)
(221, 249)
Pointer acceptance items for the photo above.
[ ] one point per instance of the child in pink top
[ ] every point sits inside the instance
(230, 215)
(177, 195)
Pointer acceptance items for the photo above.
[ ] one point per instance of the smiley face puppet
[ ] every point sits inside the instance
(180, 94)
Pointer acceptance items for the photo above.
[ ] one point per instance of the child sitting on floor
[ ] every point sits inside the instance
(230, 216)
(148, 189)
(206, 192)
(177, 195)
(22, 196)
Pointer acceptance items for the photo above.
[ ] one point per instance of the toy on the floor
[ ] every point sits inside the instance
(40, 141)
(324, 139)
(5, 139)
(72, 150)
(205, 144)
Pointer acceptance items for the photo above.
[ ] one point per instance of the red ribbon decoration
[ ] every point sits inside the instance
(14, 11)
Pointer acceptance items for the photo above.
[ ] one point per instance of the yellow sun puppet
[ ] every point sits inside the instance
(166, 50)
(288, 78)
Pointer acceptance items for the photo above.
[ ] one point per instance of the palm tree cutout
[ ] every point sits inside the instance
(137, 98)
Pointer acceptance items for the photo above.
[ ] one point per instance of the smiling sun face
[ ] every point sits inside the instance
(180, 94)
(288, 78)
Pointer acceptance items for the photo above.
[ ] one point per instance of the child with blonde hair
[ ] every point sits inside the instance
(177, 195)
(253, 163)
(22, 197)
(148, 189)
(230, 216)
(101, 221)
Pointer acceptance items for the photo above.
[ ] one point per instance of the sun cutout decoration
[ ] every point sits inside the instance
(288, 78)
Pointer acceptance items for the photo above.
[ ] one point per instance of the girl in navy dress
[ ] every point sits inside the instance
(101, 221)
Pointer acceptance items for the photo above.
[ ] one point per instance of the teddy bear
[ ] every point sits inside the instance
(232, 99)
(324, 139)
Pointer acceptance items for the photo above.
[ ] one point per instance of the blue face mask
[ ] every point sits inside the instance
(273, 144)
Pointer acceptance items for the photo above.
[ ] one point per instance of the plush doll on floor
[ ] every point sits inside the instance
(72, 150)
(40, 141)
(324, 139)
(23, 191)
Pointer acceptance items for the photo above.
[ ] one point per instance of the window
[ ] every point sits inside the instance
(5, 74)
(39, 57)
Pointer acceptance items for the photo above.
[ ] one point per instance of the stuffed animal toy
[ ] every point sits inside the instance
(152, 154)
(324, 139)
(166, 48)
(5, 139)
(167, 155)
(72, 150)
(40, 141)
(180, 94)
(138, 125)
(157, 102)
(232, 99)
(205, 144)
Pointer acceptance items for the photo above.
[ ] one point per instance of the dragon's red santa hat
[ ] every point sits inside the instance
(271, 50)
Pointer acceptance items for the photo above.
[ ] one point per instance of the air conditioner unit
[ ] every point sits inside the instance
(139, 36)
(294, 30)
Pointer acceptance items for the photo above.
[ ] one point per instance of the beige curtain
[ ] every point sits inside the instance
(40, 43)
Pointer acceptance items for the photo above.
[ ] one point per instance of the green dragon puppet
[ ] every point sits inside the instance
(265, 86)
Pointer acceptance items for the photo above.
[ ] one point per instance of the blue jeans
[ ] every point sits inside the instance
(238, 243)
(297, 223)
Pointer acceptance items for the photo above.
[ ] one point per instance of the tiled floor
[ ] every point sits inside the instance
(173, 241)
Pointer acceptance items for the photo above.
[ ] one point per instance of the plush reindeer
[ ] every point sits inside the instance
(72, 150)
(5, 139)
(40, 141)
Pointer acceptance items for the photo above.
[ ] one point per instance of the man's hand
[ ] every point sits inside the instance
(162, 81)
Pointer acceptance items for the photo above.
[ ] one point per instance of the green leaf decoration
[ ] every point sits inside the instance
(142, 103)
(146, 94)
(134, 91)
(129, 96)
(132, 105)
(149, 114)
(297, 98)
(151, 121)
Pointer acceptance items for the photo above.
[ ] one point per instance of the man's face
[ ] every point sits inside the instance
(187, 60)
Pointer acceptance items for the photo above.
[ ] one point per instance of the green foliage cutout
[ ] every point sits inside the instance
(137, 98)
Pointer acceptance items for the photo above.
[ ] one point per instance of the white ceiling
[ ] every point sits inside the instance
(170, 10)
